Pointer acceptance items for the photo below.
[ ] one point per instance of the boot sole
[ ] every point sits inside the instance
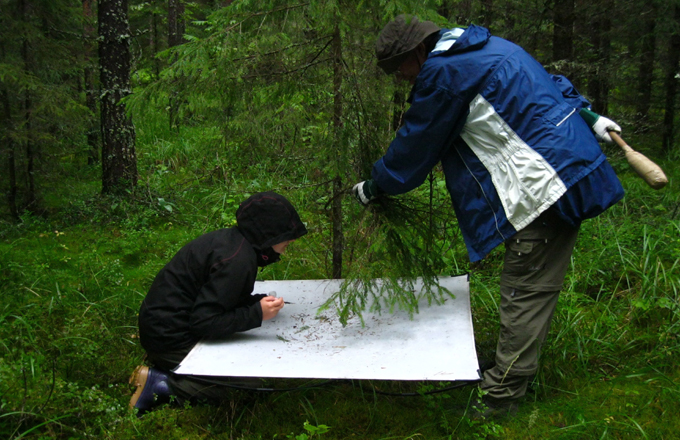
(138, 379)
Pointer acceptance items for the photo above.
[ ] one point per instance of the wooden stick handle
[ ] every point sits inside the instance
(650, 172)
(620, 142)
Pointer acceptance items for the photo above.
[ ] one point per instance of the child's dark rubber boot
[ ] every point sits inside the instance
(150, 383)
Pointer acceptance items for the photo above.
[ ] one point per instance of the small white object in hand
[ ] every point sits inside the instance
(273, 293)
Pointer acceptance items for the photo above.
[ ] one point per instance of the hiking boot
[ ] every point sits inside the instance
(150, 383)
(493, 409)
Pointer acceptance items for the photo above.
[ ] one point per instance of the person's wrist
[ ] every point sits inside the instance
(589, 116)
(371, 189)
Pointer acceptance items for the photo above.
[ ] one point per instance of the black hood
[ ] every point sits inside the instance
(268, 218)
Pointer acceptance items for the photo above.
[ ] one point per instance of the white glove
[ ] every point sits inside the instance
(602, 127)
(365, 191)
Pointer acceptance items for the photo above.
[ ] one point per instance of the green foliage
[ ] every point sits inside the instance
(314, 432)
(43, 118)
(72, 287)
(400, 242)
(254, 86)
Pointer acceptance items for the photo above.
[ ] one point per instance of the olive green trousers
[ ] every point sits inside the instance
(536, 261)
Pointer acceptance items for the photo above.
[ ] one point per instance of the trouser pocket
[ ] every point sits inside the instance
(537, 257)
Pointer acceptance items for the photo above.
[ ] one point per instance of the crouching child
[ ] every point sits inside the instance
(205, 292)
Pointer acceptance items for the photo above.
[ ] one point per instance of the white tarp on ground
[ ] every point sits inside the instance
(437, 344)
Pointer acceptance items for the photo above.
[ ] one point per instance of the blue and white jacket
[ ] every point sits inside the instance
(508, 135)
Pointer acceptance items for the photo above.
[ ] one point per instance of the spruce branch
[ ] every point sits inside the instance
(404, 240)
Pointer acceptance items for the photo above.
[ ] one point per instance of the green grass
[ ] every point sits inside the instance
(68, 332)
(71, 283)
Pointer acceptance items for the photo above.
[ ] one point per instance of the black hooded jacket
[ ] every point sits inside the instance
(205, 291)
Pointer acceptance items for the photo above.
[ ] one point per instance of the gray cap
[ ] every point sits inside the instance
(399, 37)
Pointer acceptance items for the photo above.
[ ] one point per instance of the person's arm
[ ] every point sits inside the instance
(434, 119)
(599, 125)
(270, 304)
(254, 299)
(218, 310)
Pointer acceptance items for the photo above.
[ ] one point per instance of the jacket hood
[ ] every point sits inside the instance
(268, 218)
(461, 40)
(455, 41)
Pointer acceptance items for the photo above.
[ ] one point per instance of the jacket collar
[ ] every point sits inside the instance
(461, 40)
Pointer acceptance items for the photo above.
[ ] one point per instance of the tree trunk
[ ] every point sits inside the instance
(563, 32)
(338, 239)
(30, 161)
(119, 160)
(671, 86)
(11, 166)
(646, 68)
(153, 44)
(444, 10)
(88, 80)
(487, 13)
(7, 141)
(464, 16)
(175, 22)
(175, 38)
(598, 86)
(27, 104)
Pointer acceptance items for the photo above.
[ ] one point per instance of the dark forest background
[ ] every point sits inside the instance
(276, 78)
(127, 128)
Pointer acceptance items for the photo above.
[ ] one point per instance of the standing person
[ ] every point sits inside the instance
(205, 293)
(521, 166)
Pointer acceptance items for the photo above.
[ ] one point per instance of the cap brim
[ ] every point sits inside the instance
(391, 64)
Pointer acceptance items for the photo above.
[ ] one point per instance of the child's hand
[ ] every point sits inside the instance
(270, 307)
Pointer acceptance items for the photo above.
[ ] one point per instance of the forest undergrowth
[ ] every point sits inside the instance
(73, 277)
